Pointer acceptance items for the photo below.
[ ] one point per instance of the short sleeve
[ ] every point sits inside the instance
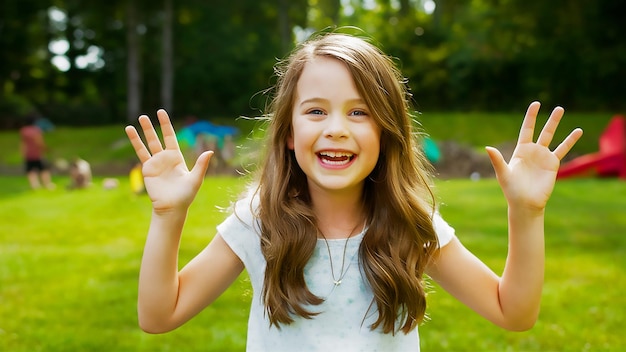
(241, 231)
(444, 231)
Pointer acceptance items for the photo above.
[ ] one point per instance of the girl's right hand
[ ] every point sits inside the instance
(169, 183)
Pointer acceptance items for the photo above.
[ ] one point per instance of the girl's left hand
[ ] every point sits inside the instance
(529, 177)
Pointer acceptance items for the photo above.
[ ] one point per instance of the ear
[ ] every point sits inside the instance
(290, 141)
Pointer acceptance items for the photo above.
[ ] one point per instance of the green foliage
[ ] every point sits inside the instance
(69, 264)
(225, 59)
(489, 55)
(13, 108)
(466, 55)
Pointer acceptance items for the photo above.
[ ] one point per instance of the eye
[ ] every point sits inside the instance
(315, 112)
(358, 113)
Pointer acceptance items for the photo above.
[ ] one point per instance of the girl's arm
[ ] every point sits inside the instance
(512, 301)
(168, 298)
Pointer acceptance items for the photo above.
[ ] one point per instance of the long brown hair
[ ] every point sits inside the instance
(399, 203)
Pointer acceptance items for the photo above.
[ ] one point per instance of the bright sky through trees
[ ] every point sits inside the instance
(60, 46)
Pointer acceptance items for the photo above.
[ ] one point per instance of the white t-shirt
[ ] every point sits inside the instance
(344, 320)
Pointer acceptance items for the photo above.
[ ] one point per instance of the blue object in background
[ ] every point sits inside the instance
(187, 135)
(433, 154)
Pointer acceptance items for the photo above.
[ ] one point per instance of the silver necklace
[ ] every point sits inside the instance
(342, 273)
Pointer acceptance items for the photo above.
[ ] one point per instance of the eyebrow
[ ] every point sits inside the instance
(322, 100)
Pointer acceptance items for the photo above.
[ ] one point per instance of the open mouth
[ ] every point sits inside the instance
(335, 158)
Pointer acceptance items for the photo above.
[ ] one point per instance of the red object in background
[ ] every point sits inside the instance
(610, 160)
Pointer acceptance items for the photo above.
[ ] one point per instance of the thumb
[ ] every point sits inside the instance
(497, 160)
(201, 165)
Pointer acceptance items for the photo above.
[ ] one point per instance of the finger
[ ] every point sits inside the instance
(568, 143)
(497, 160)
(152, 139)
(169, 135)
(547, 133)
(527, 131)
(135, 141)
(202, 163)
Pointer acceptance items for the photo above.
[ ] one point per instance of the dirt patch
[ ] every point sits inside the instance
(464, 161)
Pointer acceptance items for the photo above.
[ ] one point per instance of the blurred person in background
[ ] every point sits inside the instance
(80, 174)
(33, 149)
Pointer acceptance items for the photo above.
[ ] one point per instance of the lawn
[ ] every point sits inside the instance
(69, 264)
(69, 260)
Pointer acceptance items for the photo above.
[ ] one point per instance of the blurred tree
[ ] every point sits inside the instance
(24, 62)
(226, 53)
(89, 62)
(167, 63)
(324, 13)
(133, 68)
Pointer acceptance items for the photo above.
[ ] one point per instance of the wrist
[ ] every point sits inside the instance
(526, 211)
(169, 214)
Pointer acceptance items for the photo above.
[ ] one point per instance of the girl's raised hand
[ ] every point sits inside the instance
(529, 177)
(169, 183)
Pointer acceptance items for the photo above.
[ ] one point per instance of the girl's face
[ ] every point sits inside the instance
(335, 139)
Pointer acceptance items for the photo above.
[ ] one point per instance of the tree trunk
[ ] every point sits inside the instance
(283, 23)
(133, 82)
(167, 66)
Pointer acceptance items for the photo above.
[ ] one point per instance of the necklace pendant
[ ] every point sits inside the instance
(337, 282)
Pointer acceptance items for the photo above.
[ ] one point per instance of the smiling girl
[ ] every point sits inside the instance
(341, 226)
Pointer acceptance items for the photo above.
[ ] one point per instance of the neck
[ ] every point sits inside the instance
(338, 215)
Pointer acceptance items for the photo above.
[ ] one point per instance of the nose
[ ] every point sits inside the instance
(336, 126)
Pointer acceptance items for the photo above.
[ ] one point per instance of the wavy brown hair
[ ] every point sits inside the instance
(399, 203)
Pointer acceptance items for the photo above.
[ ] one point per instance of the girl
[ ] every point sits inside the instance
(341, 226)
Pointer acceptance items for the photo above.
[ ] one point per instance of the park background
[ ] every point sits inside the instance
(69, 260)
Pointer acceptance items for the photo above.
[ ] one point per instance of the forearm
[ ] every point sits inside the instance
(158, 277)
(522, 280)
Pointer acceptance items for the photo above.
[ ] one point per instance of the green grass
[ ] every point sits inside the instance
(69, 260)
(105, 147)
(494, 129)
(583, 305)
(69, 263)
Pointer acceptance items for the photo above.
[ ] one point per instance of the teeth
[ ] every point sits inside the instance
(336, 154)
(338, 162)
(335, 158)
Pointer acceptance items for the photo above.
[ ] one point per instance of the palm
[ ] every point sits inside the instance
(169, 183)
(529, 177)
(532, 173)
